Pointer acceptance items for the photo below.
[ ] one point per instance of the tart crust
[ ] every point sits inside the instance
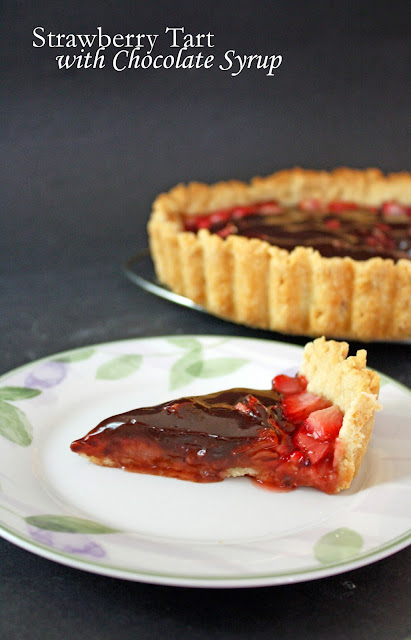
(251, 282)
(347, 383)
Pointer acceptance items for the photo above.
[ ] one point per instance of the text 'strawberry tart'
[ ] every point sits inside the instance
(309, 430)
(299, 252)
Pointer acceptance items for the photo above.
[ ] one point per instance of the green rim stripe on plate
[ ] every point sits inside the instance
(400, 542)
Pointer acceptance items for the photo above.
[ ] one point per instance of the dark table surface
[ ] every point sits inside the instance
(84, 153)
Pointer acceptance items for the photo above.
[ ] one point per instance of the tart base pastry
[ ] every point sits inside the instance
(249, 281)
(311, 430)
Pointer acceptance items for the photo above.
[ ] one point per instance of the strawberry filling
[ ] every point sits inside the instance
(338, 228)
(297, 407)
(284, 437)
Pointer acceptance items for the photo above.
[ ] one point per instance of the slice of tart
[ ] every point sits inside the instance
(299, 252)
(308, 430)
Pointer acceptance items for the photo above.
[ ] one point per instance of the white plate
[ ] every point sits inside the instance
(162, 530)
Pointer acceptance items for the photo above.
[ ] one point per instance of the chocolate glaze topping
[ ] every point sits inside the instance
(356, 232)
(200, 438)
(212, 415)
(194, 438)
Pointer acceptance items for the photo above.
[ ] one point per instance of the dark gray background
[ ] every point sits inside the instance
(84, 153)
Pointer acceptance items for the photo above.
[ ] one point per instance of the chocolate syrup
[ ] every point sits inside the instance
(212, 432)
(357, 233)
(202, 438)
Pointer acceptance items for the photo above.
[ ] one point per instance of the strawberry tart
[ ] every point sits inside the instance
(300, 252)
(308, 430)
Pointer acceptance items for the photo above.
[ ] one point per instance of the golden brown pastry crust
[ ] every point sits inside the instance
(299, 292)
(354, 389)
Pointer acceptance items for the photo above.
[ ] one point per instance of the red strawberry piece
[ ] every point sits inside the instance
(371, 241)
(382, 234)
(190, 224)
(332, 223)
(283, 449)
(250, 405)
(379, 235)
(325, 424)
(392, 209)
(228, 230)
(303, 381)
(241, 212)
(203, 222)
(337, 206)
(298, 407)
(174, 408)
(247, 405)
(382, 227)
(288, 385)
(389, 243)
(313, 449)
(269, 208)
(312, 204)
(220, 216)
(297, 458)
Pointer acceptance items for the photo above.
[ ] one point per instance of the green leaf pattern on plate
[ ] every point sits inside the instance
(193, 364)
(180, 373)
(14, 424)
(185, 342)
(77, 355)
(68, 524)
(18, 393)
(215, 367)
(338, 546)
(119, 367)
